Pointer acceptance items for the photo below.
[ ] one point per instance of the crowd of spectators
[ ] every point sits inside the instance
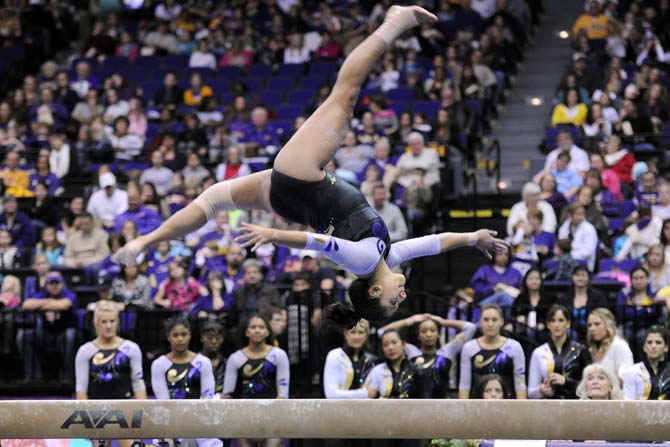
(164, 100)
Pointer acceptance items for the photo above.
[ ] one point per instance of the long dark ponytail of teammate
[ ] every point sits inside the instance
(345, 315)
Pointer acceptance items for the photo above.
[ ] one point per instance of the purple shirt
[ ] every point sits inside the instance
(145, 218)
(486, 277)
(22, 230)
(51, 180)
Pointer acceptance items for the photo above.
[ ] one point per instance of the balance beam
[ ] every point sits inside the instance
(320, 418)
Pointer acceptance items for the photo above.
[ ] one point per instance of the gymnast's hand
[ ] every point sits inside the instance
(127, 255)
(254, 236)
(487, 243)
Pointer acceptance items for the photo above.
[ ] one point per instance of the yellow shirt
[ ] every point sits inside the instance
(563, 115)
(191, 99)
(596, 27)
(16, 182)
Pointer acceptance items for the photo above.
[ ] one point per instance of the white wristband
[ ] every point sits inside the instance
(472, 239)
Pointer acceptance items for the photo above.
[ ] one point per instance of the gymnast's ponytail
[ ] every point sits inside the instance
(345, 315)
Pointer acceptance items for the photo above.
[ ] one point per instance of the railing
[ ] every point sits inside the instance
(493, 163)
(40, 347)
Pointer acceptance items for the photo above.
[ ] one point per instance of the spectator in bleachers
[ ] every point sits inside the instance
(100, 42)
(83, 80)
(131, 288)
(34, 284)
(60, 161)
(236, 55)
(145, 219)
(56, 331)
(127, 47)
(596, 128)
(150, 198)
(493, 352)
(254, 295)
(661, 209)
(655, 105)
(366, 131)
(70, 215)
(160, 41)
(599, 383)
(17, 223)
(384, 117)
(45, 210)
(419, 157)
(179, 291)
(603, 198)
(570, 83)
(530, 244)
(157, 174)
(170, 95)
(530, 198)
(158, 264)
(605, 345)
(640, 235)
(193, 136)
(10, 294)
(371, 178)
(620, 160)
(353, 156)
(185, 43)
(87, 245)
(90, 108)
(567, 180)
(214, 304)
(585, 75)
(328, 49)
(646, 191)
(583, 234)
(232, 166)
(609, 177)
(202, 57)
(580, 299)
(194, 172)
(10, 254)
(391, 214)
(258, 135)
(550, 193)
(531, 306)
(636, 309)
(405, 127)
(593, 213)
(498, 282)
(126, 146)
(168, 10)
(50, 246)
(632, 120)
(43, 174)
(19, 106)
(108, 202)
(14, 179)
(571, 111)
(115, 106)
(579, 158)
(593, 22)
(48, 111)
(137, 118)
(296, 52)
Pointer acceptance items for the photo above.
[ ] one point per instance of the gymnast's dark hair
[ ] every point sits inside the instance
(174, 322)
(345, 315)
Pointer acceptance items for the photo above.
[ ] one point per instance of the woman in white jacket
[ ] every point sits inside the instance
(348, 367)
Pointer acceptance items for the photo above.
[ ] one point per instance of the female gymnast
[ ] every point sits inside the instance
(299, 189)
(109, 367)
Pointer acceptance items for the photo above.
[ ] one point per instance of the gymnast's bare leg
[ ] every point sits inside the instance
(305, 154)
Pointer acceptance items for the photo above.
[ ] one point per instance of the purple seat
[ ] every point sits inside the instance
(116, 61)
(398, 107)
(271, 98)
(176, 60)
(260, 70)
(93, 62)
(283, 84)
(401, 94)
(302, 97)
(148, 61)
(428, 108)
(282, 127)
(230, 71)
(253, 84)
(219, 86)
(610, 264)
(289, 111)
(313, 82)
(183, 110)
(150, 88)
(158, 73)
(134, 75)
(323, 68)
(206, 73)
(291, 70)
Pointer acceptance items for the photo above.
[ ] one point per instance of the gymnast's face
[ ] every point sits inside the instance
(493, 390)
(257, 331)
(391, 292)
(179, 338)
(357, 336)
(428, 333)
(106, 325)
(392, 346)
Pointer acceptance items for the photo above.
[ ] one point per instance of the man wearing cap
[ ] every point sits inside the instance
(530, 198)
(145, 218)
(108, 202)
(56, 305)
(18, 223)
(87, 245)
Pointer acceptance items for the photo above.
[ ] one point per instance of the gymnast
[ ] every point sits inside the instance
(298, 189)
